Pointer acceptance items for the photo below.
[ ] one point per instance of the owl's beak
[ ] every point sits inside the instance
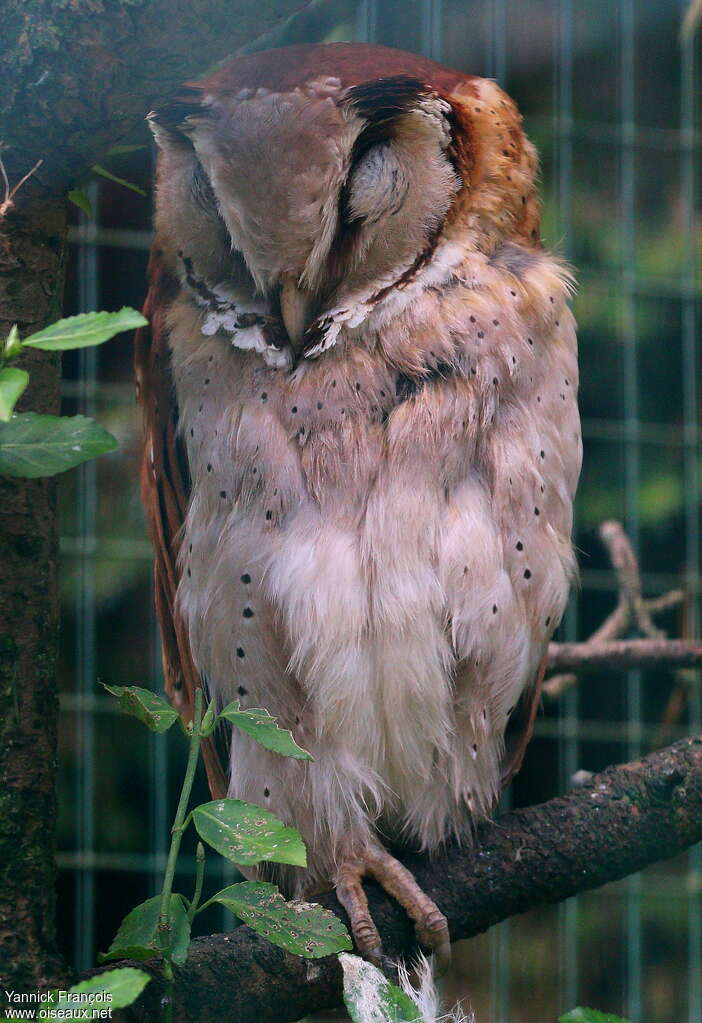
(295, 305)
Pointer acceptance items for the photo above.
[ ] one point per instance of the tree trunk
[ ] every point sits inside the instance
(32, 252)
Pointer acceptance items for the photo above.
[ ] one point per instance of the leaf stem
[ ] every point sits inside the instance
(164, 917)
(177, 829)
(199, 878)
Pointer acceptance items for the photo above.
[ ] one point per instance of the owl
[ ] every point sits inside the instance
(362, 445)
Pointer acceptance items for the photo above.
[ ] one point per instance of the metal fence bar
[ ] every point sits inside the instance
(158, 762)
(632, 472)
(84, 902)
(432, 24)
(366, 21)
(568, 911)
(691, 411)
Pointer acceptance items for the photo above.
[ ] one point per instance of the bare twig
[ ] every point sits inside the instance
(10, 193)
(625, 653)
(605, 648)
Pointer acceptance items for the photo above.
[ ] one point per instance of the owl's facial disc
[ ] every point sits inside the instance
(324, 192)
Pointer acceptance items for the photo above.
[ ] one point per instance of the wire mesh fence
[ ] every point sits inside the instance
(609, 93)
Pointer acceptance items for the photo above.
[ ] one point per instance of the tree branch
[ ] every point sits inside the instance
(605, 648)
(624, 653)
(617, 823)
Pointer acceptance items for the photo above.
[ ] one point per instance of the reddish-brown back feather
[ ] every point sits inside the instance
(164, 491)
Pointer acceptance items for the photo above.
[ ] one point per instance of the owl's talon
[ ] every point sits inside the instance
(430, 924)
(376, 957)
(389, 966)
(442, 958)
(433, 932)
(352, 897)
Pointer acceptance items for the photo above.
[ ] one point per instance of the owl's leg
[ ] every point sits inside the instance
(430, 923)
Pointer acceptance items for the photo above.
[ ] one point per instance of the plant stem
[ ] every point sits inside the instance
(164, 917)
(199, 878)
(177, 829)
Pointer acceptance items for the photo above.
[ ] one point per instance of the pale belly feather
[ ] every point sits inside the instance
(381, 574)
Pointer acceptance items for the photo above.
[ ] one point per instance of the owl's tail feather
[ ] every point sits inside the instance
(423, 991)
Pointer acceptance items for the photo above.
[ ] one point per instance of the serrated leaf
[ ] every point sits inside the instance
(155, 712)
(79, 198)
(246, 834)
(582, 1015)
(13, 383)
(84, 330)
(104, 173)
(302, 928)
(118, 988)
(140, 931)
(371, 998)
(263, 728)
(34, 445)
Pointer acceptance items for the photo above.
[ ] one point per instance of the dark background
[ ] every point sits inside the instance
(609, 96)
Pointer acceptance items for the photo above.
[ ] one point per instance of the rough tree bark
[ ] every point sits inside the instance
(621, 820)
(31, 267)
(74, 78)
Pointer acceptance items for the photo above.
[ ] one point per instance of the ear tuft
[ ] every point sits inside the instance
(385, 98)
(170, 119)
(384, 102)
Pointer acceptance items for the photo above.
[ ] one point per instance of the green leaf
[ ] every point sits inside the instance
(371, 998)
(113, 989)
(138, 935)
(246, 834)
(103, 172)
(581, 1015)
(209, 720)
(13, 383)
(79, 197)
(156, 713)
(33, 445)
(84, 330)
(12, 345)
(302, 928)
(263, 728)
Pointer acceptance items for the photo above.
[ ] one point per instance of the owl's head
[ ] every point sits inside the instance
(324, 176)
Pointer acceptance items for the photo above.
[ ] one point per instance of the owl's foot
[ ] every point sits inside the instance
(350, 893)
(430, 923)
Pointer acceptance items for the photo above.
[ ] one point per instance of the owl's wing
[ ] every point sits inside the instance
(165, 484)
(521, 726)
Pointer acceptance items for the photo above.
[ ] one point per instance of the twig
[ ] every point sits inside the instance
(625, 653)
(10, 193)
(633, 610)
(615, 824)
